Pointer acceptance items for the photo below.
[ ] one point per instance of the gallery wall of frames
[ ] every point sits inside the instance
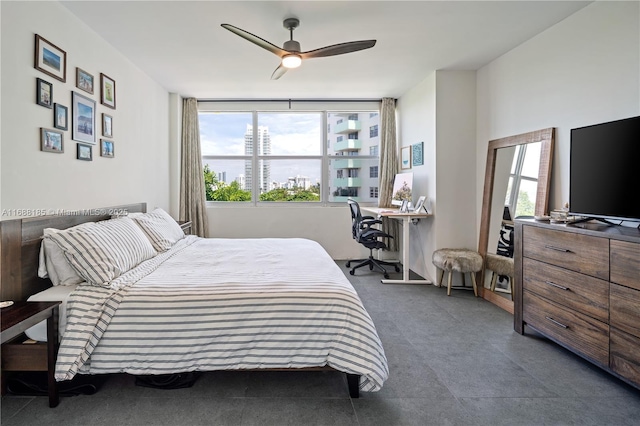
(90, 114)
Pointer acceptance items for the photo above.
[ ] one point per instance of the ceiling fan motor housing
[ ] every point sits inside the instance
(291, 46)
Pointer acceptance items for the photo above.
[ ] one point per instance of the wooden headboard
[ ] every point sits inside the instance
(20, 247)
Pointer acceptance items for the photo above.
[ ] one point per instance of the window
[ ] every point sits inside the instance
(373, 131)
(373, 191)
(373, 150)
(523, 180)
(275, 156)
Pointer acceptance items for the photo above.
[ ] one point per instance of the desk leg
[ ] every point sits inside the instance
(406, 223)
(52, 345)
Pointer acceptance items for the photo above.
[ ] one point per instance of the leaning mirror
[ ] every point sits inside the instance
(516, 184)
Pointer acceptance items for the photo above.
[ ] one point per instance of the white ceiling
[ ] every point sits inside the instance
(181, 44)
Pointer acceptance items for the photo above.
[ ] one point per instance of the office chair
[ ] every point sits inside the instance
(364, 233)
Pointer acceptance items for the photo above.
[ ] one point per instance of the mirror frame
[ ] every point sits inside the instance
(547, 137)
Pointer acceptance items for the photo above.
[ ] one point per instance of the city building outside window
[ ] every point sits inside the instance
(373, 131)
(373, 192)
(265, 157)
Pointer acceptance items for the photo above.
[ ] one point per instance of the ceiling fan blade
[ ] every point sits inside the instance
(339, 49)
(255, 40)
(279, 72)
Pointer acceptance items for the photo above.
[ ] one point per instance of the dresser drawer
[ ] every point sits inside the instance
(625, 309)
(625, 263)
(579, 292)
(579, 332)
(625, 357)
(582, 253)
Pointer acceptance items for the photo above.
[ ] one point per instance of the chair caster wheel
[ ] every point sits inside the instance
(397, 269)
(348, 265)
(352, 272)
(386, 276)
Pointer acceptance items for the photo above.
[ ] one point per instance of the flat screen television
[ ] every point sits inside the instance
(605, 170)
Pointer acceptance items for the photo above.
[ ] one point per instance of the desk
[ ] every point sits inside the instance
(406, 222)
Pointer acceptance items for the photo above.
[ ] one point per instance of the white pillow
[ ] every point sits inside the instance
(54, 264)
(102, 251)
(163, 231)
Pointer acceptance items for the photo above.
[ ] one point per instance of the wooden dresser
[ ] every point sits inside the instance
(579, 285)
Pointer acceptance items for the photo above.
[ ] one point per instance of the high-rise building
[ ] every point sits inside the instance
(349, 136)
(264, 148)
(222, 177)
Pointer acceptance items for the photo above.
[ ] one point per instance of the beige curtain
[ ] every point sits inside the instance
(192, 194)
(388, 167)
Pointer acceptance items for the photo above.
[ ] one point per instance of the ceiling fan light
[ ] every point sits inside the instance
(291, 61)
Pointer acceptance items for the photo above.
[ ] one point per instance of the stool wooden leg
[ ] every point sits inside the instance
(494, 280)
(449, 283)
(440, 275)
(473, 281)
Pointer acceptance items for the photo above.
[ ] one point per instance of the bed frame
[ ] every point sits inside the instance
(19, 258)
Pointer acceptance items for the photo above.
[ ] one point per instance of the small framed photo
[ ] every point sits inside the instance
(51, 140)
(50, 59)
(417, 156)
(404, 208)
(405, 158)
(107, 125)
(84, 152)
(106, 148)
(84, 118)
(60, 117)
(84, 80)
(44, 93)
(107, 91)
(420, 205)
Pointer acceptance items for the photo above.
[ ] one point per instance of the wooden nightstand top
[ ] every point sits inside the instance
(18, 317)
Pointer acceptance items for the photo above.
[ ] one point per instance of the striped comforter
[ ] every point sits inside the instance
(220, 304)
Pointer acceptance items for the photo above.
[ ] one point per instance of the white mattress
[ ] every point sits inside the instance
(53, 294)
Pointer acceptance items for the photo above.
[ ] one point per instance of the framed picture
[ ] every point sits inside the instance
(60, 117)
(84, 80)
(51, 140)
(404, 207)
(107, 125)
(84, 152)
(84, 118)
(106, 148)
(405, 158)
(417, 156)
(420, 204)
(107, 91)
(44, 93)
(50, 59)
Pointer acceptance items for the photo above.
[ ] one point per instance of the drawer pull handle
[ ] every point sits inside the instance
(564, 250)
(557, 323)
(557, 285)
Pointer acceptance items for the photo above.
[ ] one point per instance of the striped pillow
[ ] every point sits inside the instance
(161, 228)
(102, 251)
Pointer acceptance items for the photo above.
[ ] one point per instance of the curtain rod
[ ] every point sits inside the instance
(289, 100)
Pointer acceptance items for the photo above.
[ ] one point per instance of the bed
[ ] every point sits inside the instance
(208, 304)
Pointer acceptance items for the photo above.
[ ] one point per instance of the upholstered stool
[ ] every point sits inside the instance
(500, 265)
(458, 260)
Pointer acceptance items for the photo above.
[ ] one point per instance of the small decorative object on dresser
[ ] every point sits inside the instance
(579, 285)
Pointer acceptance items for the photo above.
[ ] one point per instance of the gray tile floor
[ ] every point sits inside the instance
(453, 361)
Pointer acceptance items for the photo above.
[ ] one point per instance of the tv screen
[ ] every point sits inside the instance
(605, 170)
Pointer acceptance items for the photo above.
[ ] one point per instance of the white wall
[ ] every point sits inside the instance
(441, 112)
(41, 180)
(584, 70)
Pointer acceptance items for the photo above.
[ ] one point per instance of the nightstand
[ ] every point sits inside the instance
(31, 357)
(186, 226)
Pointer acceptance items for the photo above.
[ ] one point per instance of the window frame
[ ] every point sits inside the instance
(255, 108)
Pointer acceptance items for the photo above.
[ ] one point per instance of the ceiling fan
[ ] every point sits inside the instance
(290, 52)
